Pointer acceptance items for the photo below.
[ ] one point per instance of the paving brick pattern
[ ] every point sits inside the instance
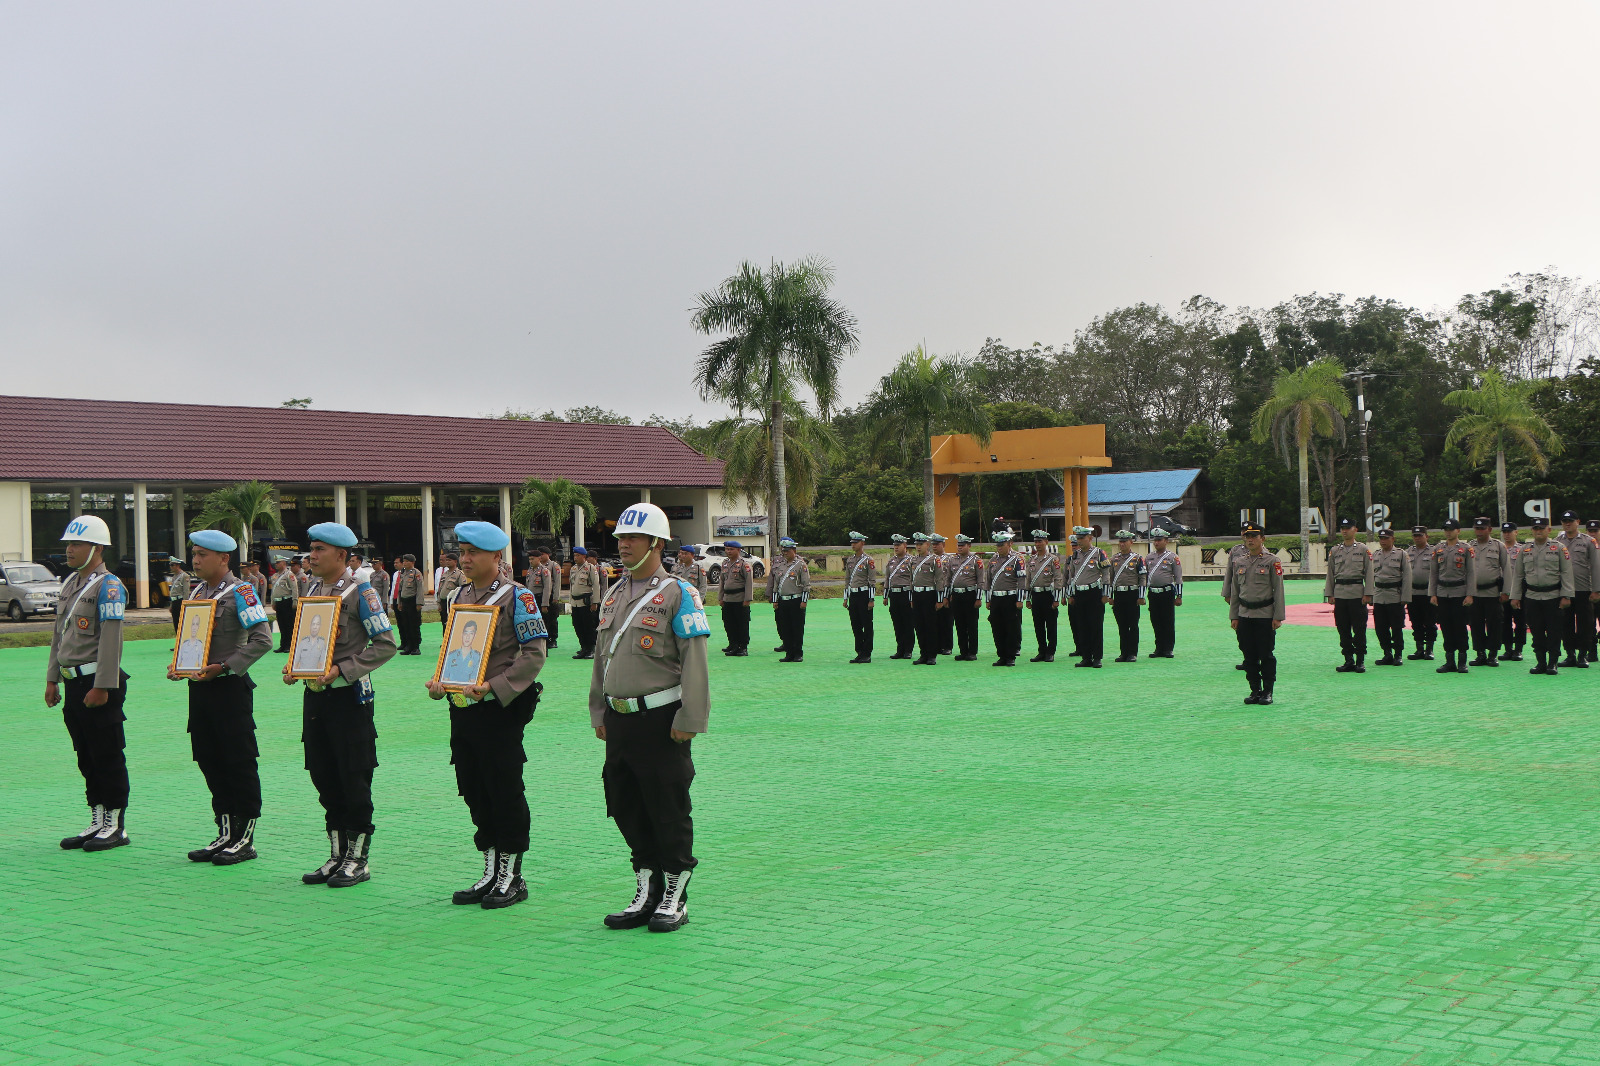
(900, 865)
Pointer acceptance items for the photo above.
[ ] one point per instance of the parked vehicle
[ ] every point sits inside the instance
(27, 588)
(711, 557)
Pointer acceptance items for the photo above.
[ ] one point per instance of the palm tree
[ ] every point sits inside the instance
(551, 501)
(922, 394)
(238, 508)
(1499, 415)
(745, 447)
(1305, 403)
(784, 332)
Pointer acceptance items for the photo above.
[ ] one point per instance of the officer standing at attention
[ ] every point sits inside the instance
(380, 580)
(1450, 590)
(1592, 527)
(925, 595)
(1163, 575)
(1490, 560)
(1255, 610)
(1125, 593)
(552, 605)
(1542, 585)
(222, 724)
(1349, 588)
(1513, 628)
(338, 723)
(1005, 593)
(447, 579)
(738, 592)
(649, 694)
(86, 655)
(1420, 607)
(1228, 569)
(252, 573)
(178, 584)
(1391, 588)
(487, 719)
(788, 589)
(408, 605)
(690, 571)
(943, 618)
(897, 596)
(965, 586)
(586, 587)
(1044, 595)
(1578, 616)
(860, 594)
(1087, 571)
(285, 594)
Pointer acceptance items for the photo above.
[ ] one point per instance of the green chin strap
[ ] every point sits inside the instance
(655, 542)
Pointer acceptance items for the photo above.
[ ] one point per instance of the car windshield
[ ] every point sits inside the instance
(23, 573)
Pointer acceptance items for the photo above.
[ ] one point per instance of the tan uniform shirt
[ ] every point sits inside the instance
(1349, 572)
(1421, 570)
(1391, 576)
(179, 584)
(449, 581)
(1005, 576)
(585, 583)
(1542, 573)
(1046, 575)
(964, 573)
(285, 586)
(539, 584)
(1453, 574)
(738, 582)
(860, 572)
(897, 574)
(1163, 570)
(89, 625)
(1491, 564)
(1087, 569)
(926, 574)
(1229, 567)
(408, 584)
(787, 579)
(240, 633)
(356, 652)
(661, 645)
(1125, 574)
(517, 646)
(1585, 556)
(1257, 588)
(694, 574)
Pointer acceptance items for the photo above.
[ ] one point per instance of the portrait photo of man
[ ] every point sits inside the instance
(192, 649)
(461, 664)
(311, 652)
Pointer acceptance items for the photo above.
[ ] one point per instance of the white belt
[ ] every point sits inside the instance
(1085, 588)
(1003, 592)
(86, 670)
(1127, 588)
(1043, 588)
(796, 596)
(862, 588)
(922, 588)
(630, 704)
(1160, 588)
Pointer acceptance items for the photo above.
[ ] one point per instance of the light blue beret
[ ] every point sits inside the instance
(484, 535)
(336, 534)
(213, 540)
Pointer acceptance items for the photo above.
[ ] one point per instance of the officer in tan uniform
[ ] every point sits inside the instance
(1256, 609)
(690, 571)
(408, 605)
(1420, 607)
(285, 594)
(1542, 585)
(736, 593)
(965, 585)
(943, 618)
(1005, 591)
(1348, 588)
(1163, 575)
(1044, 595)
(897, 594)
(449, 579)
(1450, 589)
(178, 585)
(1125, 593)
(1513, 626)
(649, 695)
(552, 611)
(1228, 568)
(788, 589)
(586, 587)
(1577, 618)
(1087, 570)
(1391, 588)
(926, 594)
(1490, 561)
(860, 594)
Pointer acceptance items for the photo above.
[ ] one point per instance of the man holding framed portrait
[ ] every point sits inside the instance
(494, 648)
(225, 630)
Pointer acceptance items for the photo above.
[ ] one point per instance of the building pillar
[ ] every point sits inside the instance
(339, 508)
(644, 495)
(121, 499)
(180, 538)
(505, 520)
(16, 520)
(361, 512)
(578, 519)
(427, 535)
(141, 544)
(75, 503)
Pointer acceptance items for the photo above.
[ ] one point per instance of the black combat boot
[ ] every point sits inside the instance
(113, 832)
(97, 818)
(242, 847)
(481, 887)
(224, 834)
(646, 898)
(673, 910)
(353, 867)
(1429, 655)
(1417, 651)
(1461, 661)
(1349, 666)
(320, 875)
(509, 887)
(1266, 697)
(1360, 666)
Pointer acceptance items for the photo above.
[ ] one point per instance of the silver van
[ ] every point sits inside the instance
(27, 588)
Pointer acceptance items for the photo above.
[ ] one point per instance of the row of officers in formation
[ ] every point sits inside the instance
(649, 696)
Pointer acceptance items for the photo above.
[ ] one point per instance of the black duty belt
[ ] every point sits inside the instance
(1254, 605)
(1542, 588)
(1348, 580)
(1423, 587)
(1389, 584)
(1451, 584)
(1495, 584)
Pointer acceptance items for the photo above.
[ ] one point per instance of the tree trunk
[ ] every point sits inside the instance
(927, 487)
(1500, 482)
(780, 475)
(1305, 512)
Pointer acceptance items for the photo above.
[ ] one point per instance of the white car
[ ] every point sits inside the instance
(712, 556)
(27, 588)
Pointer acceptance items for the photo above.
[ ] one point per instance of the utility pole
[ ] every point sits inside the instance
(1363, 416)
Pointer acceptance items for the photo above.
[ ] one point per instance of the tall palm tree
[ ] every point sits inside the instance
(920, 395)
(1305, 403)
(1499, 415)
(784, 332)
(238, 508)
(551, 501)
(745, 447)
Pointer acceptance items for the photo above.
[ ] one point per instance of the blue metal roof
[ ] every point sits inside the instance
(1140, 486)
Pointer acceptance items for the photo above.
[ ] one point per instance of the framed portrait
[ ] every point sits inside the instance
(316, 625)
(193, 640)
(464, 657)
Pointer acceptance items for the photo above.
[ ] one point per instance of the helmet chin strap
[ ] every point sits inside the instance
(634, 568)
(90, 561)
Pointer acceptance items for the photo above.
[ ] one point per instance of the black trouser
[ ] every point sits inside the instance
(1513, 629)
(1005, 626)
(859, 604)
(790, 616)
(1125, 609)
(903, 615)
(1544, 627)
(486, 750)
(584, 620)
(1257, 639)
(98, 739)
(947, 628)
(1422, 612)
(176, 608)
(1390, 621)
(1485, 617)
(1578, 626)
(1350, 615)
(1089, 631)
(222, 738)
(408, 619)
(341, 738)
(647, 776)
(552, 622)
(1046, 615)
(964, 619)
(735, 624)
(284, 609)
(926, 607)
(1452, 615)
(1163, 612)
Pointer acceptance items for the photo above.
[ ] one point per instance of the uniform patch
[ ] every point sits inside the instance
(528, 602)
(373, 603)
(650, 620)
(610, 601)
(647, 642)
(659, 599)
(83, 623)
(247, 593)
(1278, 567)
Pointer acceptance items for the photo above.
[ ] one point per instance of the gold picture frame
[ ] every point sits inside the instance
(464, 655)
(196, 618)
(316, 627)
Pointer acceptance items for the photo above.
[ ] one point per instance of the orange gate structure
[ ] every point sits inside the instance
(1073, 450)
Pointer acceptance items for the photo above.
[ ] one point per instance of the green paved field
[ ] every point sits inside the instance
(899, 865)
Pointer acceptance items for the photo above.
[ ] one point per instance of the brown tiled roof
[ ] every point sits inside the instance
(52, 439)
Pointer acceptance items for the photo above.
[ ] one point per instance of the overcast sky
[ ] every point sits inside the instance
(455, 208)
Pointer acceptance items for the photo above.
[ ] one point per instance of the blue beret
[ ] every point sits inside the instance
(213, 540)
(336, 534)
(731, 544)
(484, 535)
(580, 550)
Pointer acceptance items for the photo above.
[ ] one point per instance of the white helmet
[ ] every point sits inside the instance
(89, 529)
(644, 518)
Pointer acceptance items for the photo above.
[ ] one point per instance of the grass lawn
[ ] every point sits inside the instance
(962, 865)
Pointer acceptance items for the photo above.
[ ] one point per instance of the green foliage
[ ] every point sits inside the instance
(303, 402)
(745, 447)
(1499, 417)
(238, 509)
(876, 503)
(552, 503)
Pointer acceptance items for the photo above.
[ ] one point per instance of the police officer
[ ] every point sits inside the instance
(1348, 588)
(552, 605)
(1592, 527)
(1163, 575)
(1228, 569)
(1044, 595)
(178, 585)
(538, 583)
(926, 593)
(1125, 593)
(965, 585)
(447, 579)
(737, 593)
(1424, 630)
(860, 594)
(381, 580)
(487, 719)
(222, 725)
(1489, 562)
(788, 589)
(408, 605)
(586, 587)
(1513, 626)
(1255, 610)
(943, 618)
(1005, 592)
(86, 656)
(897, 594)
(1391, 588)
(1087, 571)
(1542, 585)
(1578, 615)
(285, 594)
(690, 571)
(648, 697)
(251, 572)
(338, 723)
(1450, 590)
